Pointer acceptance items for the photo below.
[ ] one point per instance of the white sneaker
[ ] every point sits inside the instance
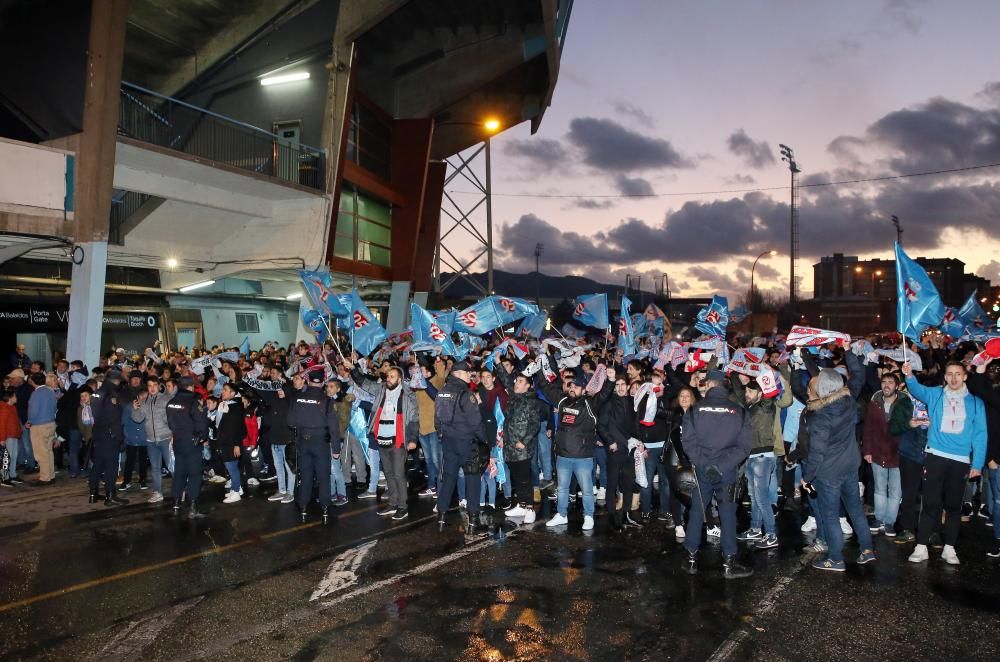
(229, 483)
(232, 497)
(253, 482)
(920, 554)
(596, 488)
(517, 511)
(949, 556)
(588, 522)
(809, 525)
(155, 497)
(277, 496)
(529, 516)
(679, 533)
(601, 493)
(845, 527)
(557, 520)
(463, 504)
(714, 532)
(288, 498)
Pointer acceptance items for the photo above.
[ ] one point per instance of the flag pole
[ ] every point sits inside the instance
(333, 337)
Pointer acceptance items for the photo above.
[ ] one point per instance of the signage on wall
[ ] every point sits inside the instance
(45, 318)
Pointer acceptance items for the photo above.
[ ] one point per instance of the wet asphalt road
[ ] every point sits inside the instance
(135, 582)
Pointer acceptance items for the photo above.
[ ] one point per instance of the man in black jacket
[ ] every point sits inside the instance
(616, 426)
(717, 439)
(520, 434)
(188, 423)
(460, 425)
(312, 416)
(108, 438)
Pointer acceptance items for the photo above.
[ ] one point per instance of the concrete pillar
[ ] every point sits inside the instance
(399, 304)
(86, 303)
(420, 298)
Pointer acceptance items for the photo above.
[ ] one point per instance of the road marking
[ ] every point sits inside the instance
(732, 644)
(343, 572)
(132, 639)
(141, 570)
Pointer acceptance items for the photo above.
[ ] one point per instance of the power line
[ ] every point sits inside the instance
(842, 182)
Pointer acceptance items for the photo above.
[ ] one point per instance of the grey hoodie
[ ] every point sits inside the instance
(153, 413)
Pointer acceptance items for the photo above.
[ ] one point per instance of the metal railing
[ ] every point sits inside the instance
(150, 117)
(123, 205)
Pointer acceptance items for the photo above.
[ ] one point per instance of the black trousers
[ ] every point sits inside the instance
(911, 474)
(133, 454)
(314, 464)
(621, 477)
(187, 470)
(453, 457)
(393, 461)
(105, 467)
(520, 480)
(943, 488)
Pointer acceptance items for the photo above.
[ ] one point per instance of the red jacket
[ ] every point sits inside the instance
(10, 424)
(253, 432)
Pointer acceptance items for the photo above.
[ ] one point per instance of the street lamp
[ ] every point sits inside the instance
(772, 253)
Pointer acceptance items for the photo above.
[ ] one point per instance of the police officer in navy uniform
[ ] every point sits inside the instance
(717, 436)
(108, 438)
(312, 415)
(459, 422)
(188, 423)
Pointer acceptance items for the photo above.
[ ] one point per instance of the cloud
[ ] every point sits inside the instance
(755, 154)
(989, 271)
(543, 152)
(903, 14)
(739, 180)
(762, 270)
(636, 186)
(718, 281)
(633, 111)
(991, 92)
(607, 145)
(590, 203)
(562, 249)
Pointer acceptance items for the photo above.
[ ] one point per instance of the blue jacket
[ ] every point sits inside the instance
(971, 441)
(42, 406)
(135, 432)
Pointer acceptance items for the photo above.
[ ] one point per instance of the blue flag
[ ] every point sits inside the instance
(464, 346)
(314, 322)
(973, 316)
(918, 304)
(626, 334)
(738, 314)
(533, 325)
(245, 347)
(445, 319)
(511, 309)
(714, 319)
(318, 284)
(952, 324)
(640, 326)
(426, 329)
(368, 332)
(591, 310)
(478, 319)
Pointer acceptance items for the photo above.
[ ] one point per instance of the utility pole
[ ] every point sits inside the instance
(788, 156)
(538, 274)
(899, 230)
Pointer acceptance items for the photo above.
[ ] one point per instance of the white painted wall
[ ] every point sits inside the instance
(32, 178)
(218, 317)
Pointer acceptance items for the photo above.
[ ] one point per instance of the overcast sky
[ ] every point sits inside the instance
(677, 97)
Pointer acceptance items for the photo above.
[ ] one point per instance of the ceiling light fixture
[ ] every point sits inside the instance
(284, 78)
(195, 286)
(293, 297)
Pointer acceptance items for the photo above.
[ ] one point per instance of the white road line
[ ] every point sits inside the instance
(732, 644)
(136, 635)
(343, 572)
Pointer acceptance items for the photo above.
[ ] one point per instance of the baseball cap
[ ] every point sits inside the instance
(715, 375)
(316, 377)
(461, 365)
(185, 382)
(114, 374)
(581, 381)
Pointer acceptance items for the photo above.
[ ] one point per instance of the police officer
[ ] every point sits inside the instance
(717, 436)
(108, 438)
(188, 423)
(459, 422)
(312, 415)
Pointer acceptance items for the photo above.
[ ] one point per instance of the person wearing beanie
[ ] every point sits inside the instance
(834, 458)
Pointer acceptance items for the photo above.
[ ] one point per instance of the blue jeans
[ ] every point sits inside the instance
(73, 442)
(158, 452)
(583, 469)
(993, 498)
(234, 475)
(888, 494)
(760, 477)
(286, 477)
(376, 463)
(27, 454)
(601, 463)
(432, 455)
(488, 484)
(655, 467)
(337, 484)
(830, 494)
(542, 459)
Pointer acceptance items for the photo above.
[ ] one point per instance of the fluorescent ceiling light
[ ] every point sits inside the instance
(196, 286)
(284, 78)
(293, 297)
